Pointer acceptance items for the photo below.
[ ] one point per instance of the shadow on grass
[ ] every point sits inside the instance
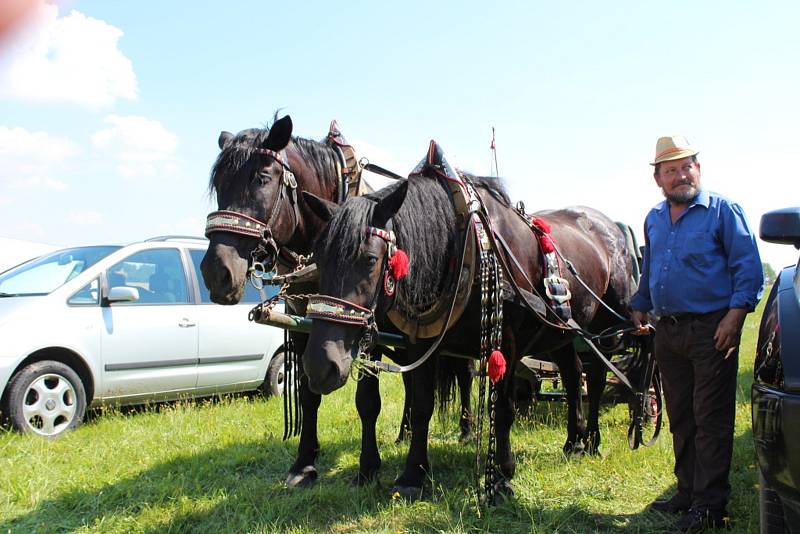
(156, 406)
(239, 488)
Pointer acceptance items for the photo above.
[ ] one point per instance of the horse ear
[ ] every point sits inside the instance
(279, 134)
(324, 209)
(389, 205)
(224, 139)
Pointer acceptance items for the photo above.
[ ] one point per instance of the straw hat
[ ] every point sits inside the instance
(673, 147)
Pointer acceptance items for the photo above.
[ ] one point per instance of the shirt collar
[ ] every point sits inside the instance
(702, 199)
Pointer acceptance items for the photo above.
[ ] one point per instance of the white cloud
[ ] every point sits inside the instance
(28, 159)
(68, 59)
(141, 147)
(86, 218)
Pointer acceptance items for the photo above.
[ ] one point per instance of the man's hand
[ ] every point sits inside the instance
(729, 330)
(640, 321)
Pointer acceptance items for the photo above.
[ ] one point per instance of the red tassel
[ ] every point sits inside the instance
(541, 225)
(547, 244)
(398, 263)
(497, 366)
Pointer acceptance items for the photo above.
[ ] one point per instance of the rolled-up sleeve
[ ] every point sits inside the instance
(744, 262)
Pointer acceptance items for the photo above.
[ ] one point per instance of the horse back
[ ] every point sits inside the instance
(599, 250)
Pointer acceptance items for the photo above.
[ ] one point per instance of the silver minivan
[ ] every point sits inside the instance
(87, 326)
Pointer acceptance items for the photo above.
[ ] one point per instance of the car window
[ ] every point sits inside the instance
(157, 273)
(251, 294)
(88, 294)
(48, 273)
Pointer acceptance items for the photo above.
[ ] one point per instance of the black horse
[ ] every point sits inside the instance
(351, 255)
(251, 184)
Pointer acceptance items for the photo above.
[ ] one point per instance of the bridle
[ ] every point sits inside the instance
(344, 312)
(234, 222)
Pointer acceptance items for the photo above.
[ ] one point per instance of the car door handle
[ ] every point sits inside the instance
(185, 323)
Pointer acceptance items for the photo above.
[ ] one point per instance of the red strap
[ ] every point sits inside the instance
(274, 155)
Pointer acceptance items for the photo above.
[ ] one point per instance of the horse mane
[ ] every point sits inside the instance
(236, 162)
(492, 185)
(426, 230)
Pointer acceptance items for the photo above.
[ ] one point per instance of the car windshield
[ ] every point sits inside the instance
(47, 273)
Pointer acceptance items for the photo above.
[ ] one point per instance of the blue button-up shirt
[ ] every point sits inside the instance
(706, 261)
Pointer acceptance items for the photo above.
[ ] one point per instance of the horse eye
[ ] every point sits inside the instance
(263, 177)
(370, 261)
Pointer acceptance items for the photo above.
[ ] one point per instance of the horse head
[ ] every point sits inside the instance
(358, 263)
(253, 184)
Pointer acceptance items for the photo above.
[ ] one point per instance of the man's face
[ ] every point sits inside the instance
(679, 179)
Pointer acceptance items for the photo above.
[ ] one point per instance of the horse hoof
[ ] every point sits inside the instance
(592, 444)
(408, 493)
(304, 479)
(573, 450)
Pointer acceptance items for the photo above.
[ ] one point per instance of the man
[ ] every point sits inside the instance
(701, 275)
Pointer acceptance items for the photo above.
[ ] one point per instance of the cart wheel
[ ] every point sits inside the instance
(646, 430)
(653, 411)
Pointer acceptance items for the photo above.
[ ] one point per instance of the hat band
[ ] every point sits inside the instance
(672, 151)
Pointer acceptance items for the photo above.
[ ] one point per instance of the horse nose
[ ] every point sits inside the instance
(217, 277)
(326, 363)
(215, 274)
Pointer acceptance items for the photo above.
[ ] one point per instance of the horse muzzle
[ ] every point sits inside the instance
(224, 273)
(327, 361)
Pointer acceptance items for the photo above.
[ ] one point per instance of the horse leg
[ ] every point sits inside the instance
(504, 418)
(410, 482)
(571, 369)
(368, 404)
(596, 383)
(464, 378)
(405, 422)
(303, 473)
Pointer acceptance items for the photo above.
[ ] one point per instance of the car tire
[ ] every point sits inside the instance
(770, 508)
(273, 385)
(45, 398)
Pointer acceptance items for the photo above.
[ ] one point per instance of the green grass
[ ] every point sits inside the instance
(219, 467)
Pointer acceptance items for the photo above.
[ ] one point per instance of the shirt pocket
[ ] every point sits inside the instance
(700, 249)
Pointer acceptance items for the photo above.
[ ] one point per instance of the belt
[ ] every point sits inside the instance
(677, 318)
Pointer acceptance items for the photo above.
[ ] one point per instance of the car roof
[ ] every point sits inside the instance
(188, 238)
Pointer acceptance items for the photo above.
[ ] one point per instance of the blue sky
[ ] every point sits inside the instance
(110, 111)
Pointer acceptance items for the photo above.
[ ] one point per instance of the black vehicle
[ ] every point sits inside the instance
(776, 390)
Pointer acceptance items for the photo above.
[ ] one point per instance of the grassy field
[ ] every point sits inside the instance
(219, 467)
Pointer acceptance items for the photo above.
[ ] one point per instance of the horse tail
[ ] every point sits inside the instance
(448, 370)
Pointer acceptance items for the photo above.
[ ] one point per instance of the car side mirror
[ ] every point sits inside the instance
(781, 226)
(123, 294)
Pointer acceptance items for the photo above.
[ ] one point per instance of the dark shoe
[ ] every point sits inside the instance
(700, 520)
(676, 505)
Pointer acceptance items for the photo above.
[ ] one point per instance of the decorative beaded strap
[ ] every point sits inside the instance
(237, 223)
(274, 155)
(386, 235)
(327, 308)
